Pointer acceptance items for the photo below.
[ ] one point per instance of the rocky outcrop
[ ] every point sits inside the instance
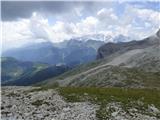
(122, 47)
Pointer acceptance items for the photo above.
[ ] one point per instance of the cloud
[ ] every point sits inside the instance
(105, 14)
(39, 27)
(143, 22)
(87, 25)
(106, 17)
(11, 33)
(71, 21)
(147, 15)
(14, 10)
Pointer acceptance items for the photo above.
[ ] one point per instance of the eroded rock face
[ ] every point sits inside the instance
(19, 103)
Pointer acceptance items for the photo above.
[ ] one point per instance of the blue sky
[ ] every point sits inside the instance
(58, 21)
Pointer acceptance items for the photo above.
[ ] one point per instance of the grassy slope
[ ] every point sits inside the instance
(71, 72)
(97, 73)
(143, 71)
(112, 76)
(129, 98)
(120, 77)
(75, 94)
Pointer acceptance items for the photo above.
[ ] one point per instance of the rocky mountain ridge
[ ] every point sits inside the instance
(130, 64)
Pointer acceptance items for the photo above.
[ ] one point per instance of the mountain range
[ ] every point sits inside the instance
(104, 37)
(37, 62)
(118, 64)
(72, 52)
(124, 64)
(75, 51)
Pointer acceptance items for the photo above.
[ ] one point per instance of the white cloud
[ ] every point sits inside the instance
(106, 14)
(86, 26)
(107, 17)
(12, 33)
(61, 31)
(143, 22)
(12, 30)
(149, 15)
(39, 27)
(105, 21)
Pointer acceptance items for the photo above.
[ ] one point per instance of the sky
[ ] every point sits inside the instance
(32, 21)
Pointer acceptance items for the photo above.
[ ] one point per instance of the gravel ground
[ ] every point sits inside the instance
(27, 103)
(18, 103)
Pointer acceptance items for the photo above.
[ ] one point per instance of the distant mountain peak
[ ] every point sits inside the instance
(97, 37)
(103, 37)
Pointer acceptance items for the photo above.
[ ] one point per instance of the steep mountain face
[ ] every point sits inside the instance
(72, 52)
(129, 64)
(78, 52)
(111, 48)
(16, 72)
